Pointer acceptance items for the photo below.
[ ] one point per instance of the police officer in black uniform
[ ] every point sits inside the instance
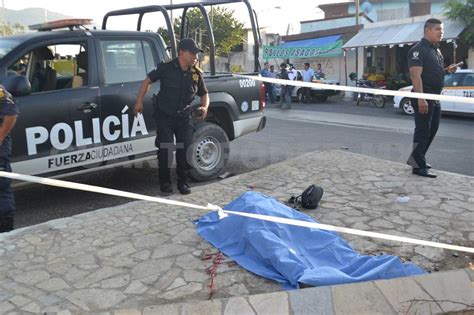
(181, 80)
(8, 115)
(426, 65)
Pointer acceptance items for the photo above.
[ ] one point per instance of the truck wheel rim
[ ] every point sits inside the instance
(208, 153)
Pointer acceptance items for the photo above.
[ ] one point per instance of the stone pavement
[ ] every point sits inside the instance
(143, 257)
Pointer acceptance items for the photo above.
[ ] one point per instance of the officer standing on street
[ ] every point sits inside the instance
(8, 115)
(180, 81)
(426, 65)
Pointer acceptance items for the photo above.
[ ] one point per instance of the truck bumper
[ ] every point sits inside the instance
(263, 123)
(245, 126)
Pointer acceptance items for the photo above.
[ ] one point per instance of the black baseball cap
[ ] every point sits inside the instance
(190, 45)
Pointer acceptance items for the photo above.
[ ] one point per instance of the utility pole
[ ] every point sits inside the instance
(2, 17)
(171, 17)
(357, 27)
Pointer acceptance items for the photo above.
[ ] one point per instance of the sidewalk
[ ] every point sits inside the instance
(146, 257)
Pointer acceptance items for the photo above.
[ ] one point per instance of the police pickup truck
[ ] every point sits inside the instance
(76, 90)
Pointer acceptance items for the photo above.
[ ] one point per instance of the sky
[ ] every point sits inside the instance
(275, 13)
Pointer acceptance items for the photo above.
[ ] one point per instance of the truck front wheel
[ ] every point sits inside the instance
(209, 152)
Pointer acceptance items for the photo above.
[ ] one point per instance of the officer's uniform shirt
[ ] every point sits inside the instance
(7, 106)
(425, 54)
(177, 87)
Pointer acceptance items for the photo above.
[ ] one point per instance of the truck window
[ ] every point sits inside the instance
(54, 67)
(6, 45)
(126, 61)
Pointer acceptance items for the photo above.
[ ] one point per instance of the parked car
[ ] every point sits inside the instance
(460, 83)
(320, 95)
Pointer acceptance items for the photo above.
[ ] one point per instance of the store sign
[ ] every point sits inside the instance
(329, 50)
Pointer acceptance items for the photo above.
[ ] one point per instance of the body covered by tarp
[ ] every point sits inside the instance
(291, 254)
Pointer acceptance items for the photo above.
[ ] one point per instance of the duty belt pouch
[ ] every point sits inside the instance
(188, 110)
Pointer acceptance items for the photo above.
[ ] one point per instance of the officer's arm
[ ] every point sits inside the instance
(138, 108)
(415, 76)
(204, 106)
(7, 126)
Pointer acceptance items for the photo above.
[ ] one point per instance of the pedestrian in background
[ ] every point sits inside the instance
(181, 80)
(308, 76)
(319, 74)
(269, 97)
(426, 66)
(285, 97)
(8, 115)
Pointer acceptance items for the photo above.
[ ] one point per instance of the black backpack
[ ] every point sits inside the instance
(310, 197)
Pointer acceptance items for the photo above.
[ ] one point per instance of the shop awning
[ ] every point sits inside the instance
(400, 34)
(328, 46)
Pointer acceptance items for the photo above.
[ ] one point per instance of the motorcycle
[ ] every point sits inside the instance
(374, 99)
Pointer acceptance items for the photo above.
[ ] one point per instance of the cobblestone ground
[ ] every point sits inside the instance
(142, 253)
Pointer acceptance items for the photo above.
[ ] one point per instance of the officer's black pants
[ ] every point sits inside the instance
(167, 127)
(7, 202)
(426, 126)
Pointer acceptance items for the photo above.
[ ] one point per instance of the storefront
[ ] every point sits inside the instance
(385, 49)
(324, 47)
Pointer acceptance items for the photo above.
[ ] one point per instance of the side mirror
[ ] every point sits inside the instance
(17, 85)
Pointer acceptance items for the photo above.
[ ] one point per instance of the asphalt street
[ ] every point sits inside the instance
(337, 124)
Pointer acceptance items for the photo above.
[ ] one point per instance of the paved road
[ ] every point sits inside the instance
(383, 133)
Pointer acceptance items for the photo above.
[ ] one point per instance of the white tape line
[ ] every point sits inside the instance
(96, 189)
(351, 231)
(434, 97)
(223, 213)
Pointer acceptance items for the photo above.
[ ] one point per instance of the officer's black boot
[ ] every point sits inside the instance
(165, 187)
(184, 188)
(6, 224)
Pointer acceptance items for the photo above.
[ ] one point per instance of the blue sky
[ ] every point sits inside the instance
(277, 13)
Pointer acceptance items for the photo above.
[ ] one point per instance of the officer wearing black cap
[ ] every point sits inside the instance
(8, 115)
(181, 80)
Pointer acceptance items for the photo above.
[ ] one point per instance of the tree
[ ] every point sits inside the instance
(464, 11)
(228, 31)
(7, 29)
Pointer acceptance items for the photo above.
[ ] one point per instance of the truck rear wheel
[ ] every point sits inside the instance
(209, 152)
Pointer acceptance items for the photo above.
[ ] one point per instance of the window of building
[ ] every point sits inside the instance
(418, 9)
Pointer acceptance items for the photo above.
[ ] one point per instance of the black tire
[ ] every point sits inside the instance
(378, 100)
(405, 106)
(209, 152)
(300, 95)
(321, 99)
(358, 99)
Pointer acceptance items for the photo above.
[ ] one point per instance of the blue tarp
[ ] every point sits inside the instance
(291, 254)
(312, 42)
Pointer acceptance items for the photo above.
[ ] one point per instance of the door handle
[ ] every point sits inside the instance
(87, 107)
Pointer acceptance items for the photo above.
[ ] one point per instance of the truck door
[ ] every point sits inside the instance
(125, 64)
(57, 126)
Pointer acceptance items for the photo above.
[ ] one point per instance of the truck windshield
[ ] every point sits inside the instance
(6, 45)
